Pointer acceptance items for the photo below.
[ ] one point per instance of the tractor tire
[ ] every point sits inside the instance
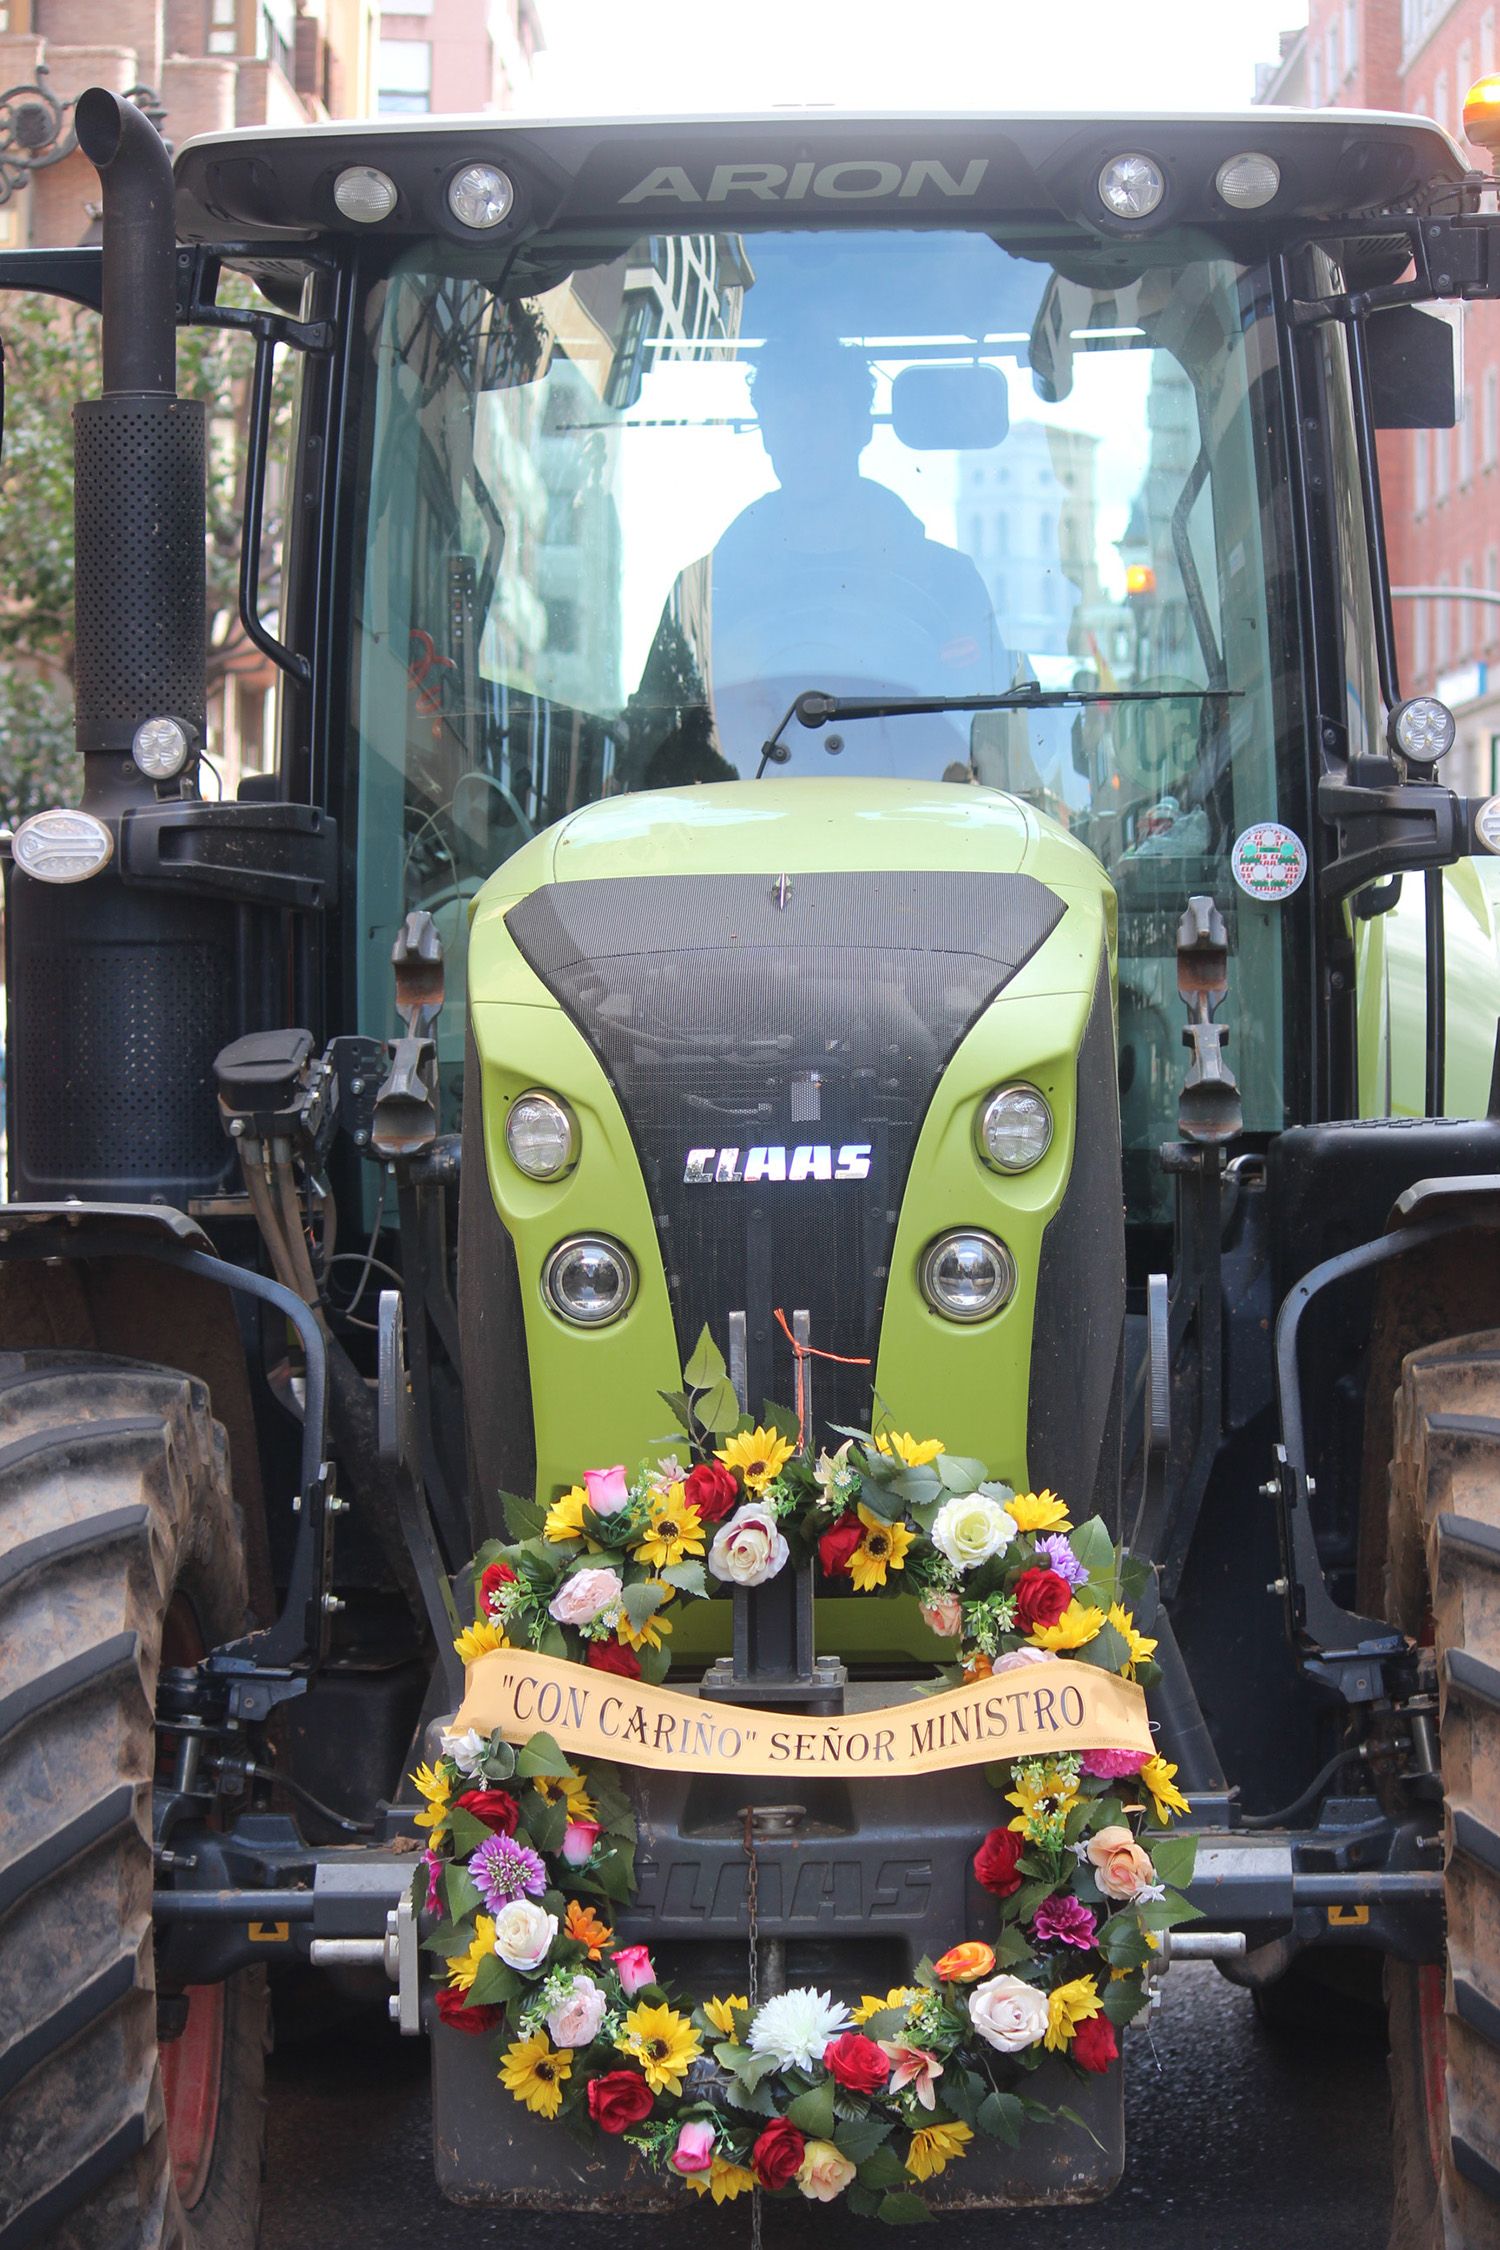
(120, 1549)
(1443, 1585)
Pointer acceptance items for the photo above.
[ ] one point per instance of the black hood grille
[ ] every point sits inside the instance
(738, 1013)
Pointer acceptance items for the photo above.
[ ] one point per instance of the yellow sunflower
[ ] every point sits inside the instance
(723, 2180)
(1159, 1780)
(934, 2146)
(463, 1968)
(1141, 1645)
(1076, 1625)
(479, 1639)
(899, 1996)
(663, 2043)
(900, 1445)
(1038, 1511)
(573, 1791)
(565, 1518)
(1069, 2005)
(882, 1548)
(758, 1454)
(437, 1790)
(675, 1530)
(657, 1626)
(720, 2013)
(1044, 1794)
(534, 2071)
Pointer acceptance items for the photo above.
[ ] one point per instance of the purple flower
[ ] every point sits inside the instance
(1061, 1558)
(504, 1870)
(1113, 1765)
(434, 1866)
(1064, 1920)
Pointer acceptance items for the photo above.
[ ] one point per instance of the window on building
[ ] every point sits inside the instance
(405, 67)
(1466, 440)
(1465, 72)
(1421, 635)
(1440, 99)
(1465, 636)
(1487, 41)
(223, 28)
(1489, 435)
(1331, 56)
(1351, 34)
(1440, 466)
(1419, 458)
(1440, 627)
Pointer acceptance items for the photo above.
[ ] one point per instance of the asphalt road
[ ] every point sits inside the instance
(1238, 2138)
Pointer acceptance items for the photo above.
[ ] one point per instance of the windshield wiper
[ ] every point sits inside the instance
(814, 708)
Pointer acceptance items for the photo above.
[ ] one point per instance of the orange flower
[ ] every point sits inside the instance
(965, 1964)
(583, 1924)
(978, 1668)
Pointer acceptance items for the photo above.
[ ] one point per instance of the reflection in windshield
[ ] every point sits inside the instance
(623, 510)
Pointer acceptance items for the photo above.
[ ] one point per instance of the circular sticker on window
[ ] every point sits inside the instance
(1268, 861)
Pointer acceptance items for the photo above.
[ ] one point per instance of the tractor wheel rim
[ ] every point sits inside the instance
(192, 2073)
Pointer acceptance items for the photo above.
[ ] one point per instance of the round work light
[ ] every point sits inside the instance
(1248, 182)
(480, 196)
(1423, 729)
(967, 1275)
(1014, 1129)
(1131, 186)
(540, 1136)
(589, 1280)
(161, 748)
(62, 846)
(365, 195)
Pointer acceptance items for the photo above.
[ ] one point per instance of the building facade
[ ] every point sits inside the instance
(455, 56)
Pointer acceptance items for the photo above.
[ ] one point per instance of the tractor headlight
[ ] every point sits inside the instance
(967, 1275)
(480, 196)
(589, 1280)
(62, 846)
(541, 1137)
(1014, 1129)
(162, 747)
(365, 195)
(1423, 729)
(1131, 186)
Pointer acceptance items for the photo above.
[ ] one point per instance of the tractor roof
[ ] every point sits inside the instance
(814, 167)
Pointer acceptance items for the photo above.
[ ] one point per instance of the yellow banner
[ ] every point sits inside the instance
(1020, 1714)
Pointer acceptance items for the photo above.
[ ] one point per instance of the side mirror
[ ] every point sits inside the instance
(950, 409)
(1413, 369)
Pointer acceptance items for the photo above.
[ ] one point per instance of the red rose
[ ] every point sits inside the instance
(777, 2154)
(618, 2099)
(497, 1808)
(712, 1490)
(613, 1656)
(1041, 1598)
(838, 1544)
(1094, 2044)
(498, 1574)
(450, 2006)
(856, 2062)
(995, 1861)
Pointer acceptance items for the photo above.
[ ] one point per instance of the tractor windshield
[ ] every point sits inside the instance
(624, 502)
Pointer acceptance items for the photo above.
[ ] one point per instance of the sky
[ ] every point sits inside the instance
(631, 57)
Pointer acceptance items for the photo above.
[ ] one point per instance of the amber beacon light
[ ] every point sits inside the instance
(1482, 114)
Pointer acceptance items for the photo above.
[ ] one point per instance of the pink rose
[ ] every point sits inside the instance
(748, 1549)
(1015, 1658)
(634, 1968)
(575, 2021)
(1121, 1866)
(584, 1595)
(579, 1839)
(943, 1614)
(695, 2149)
(606, 1489)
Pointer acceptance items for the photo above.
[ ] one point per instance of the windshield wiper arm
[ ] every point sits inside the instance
(814, 708)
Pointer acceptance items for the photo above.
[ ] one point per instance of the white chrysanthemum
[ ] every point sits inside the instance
(795, 2027)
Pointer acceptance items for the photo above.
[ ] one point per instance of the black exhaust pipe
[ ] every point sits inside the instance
(138, 500)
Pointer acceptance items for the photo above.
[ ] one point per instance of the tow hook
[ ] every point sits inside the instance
(396, 1953)
(1191, 1945)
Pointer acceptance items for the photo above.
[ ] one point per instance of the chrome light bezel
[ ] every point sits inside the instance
(987, 1155)
(569, 1248)
(939, 1248)
(560, 1109)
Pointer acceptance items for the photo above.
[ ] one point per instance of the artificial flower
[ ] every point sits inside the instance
(1115, 1765)
(758, 1455)
(585, 1596)
(466, 1750)
(524, 1934)
(720, 2013)
(1009, 2014)
(433, 1863)
(453, 2009)
(857, 2062)
(1038, 1511)
(971, 1527)
(575, 2020)
(1040, 1597)
(1160, 1782)
(1069, 2005)
(619, 2099)
(635, 1969)
(663, 2043)
(1122, 1867)
(435, 1786)
(534, 2071)
(583, 1925)
(724, 2181)
(564, 1519)
(1094, 2046)
(962, 1964)
(978, 1667)
(883, 1548)
(607, 1489)
(1056, 1552)
(899, 1996)
(463, 1968)
(655, 1629)
(573, 1790)
(493, 1580)
(943, 1614)
(838, 1543)
(748, 1549)
(695, 2148)
(796, 2026)
(995, 1862)
(900, 1445)
(1064, 1920)
(836, 1475)
(579, 1839)
(1142, 1647)
(916, 2067)
(613, 1656)
(504, 1870)
(497, 1808)
(1017, 1659)
(711, 1491)
(777, 2154)
(823, 2172)
(933, 2146)
(477, 1640)
(1045, 1793)
(1076, 1627)
(673, 1532)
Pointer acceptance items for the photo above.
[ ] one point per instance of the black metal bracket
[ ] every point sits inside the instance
(276, 855)
(198, 273)
(1386, 826)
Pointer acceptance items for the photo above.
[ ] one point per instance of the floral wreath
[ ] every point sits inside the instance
(528, 1858)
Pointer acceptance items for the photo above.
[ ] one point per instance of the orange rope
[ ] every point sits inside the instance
(801, 1353)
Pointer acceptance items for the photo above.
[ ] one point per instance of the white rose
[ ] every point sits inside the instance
(971, 1528)
(1009, 2014)
(466, 1750)
(748, 1549)
(575, 2021)
(523, 1933)
(585, 1596)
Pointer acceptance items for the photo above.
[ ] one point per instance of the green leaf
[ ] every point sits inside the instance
(781, 1419)
(903, 2210)
(882, 2170)
(812, 2113)
(719, 1409)
(655, 1663)
(687, 1577)
(494, 1981)
(523, 1518)
(541, 1756)
(614, 1870)
(1123, 1999)
(859, 2137)
(1001, 2116)
(681, 1409)
(706, 1365)
(546, 1825)
(1166, 1913)
(461, 1893)
(958, 1473)
(1011, 1945)
(449, 1938)
(1173, 1858)
(553, 1641)
(467, 1832)
(862, 2201)
(642, 1601)
(886, 2023)
(1094, 1548)
(1122, 1943)
(499, 1760)
(1108, 1649)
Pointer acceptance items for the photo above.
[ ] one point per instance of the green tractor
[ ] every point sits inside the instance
(840, 814)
